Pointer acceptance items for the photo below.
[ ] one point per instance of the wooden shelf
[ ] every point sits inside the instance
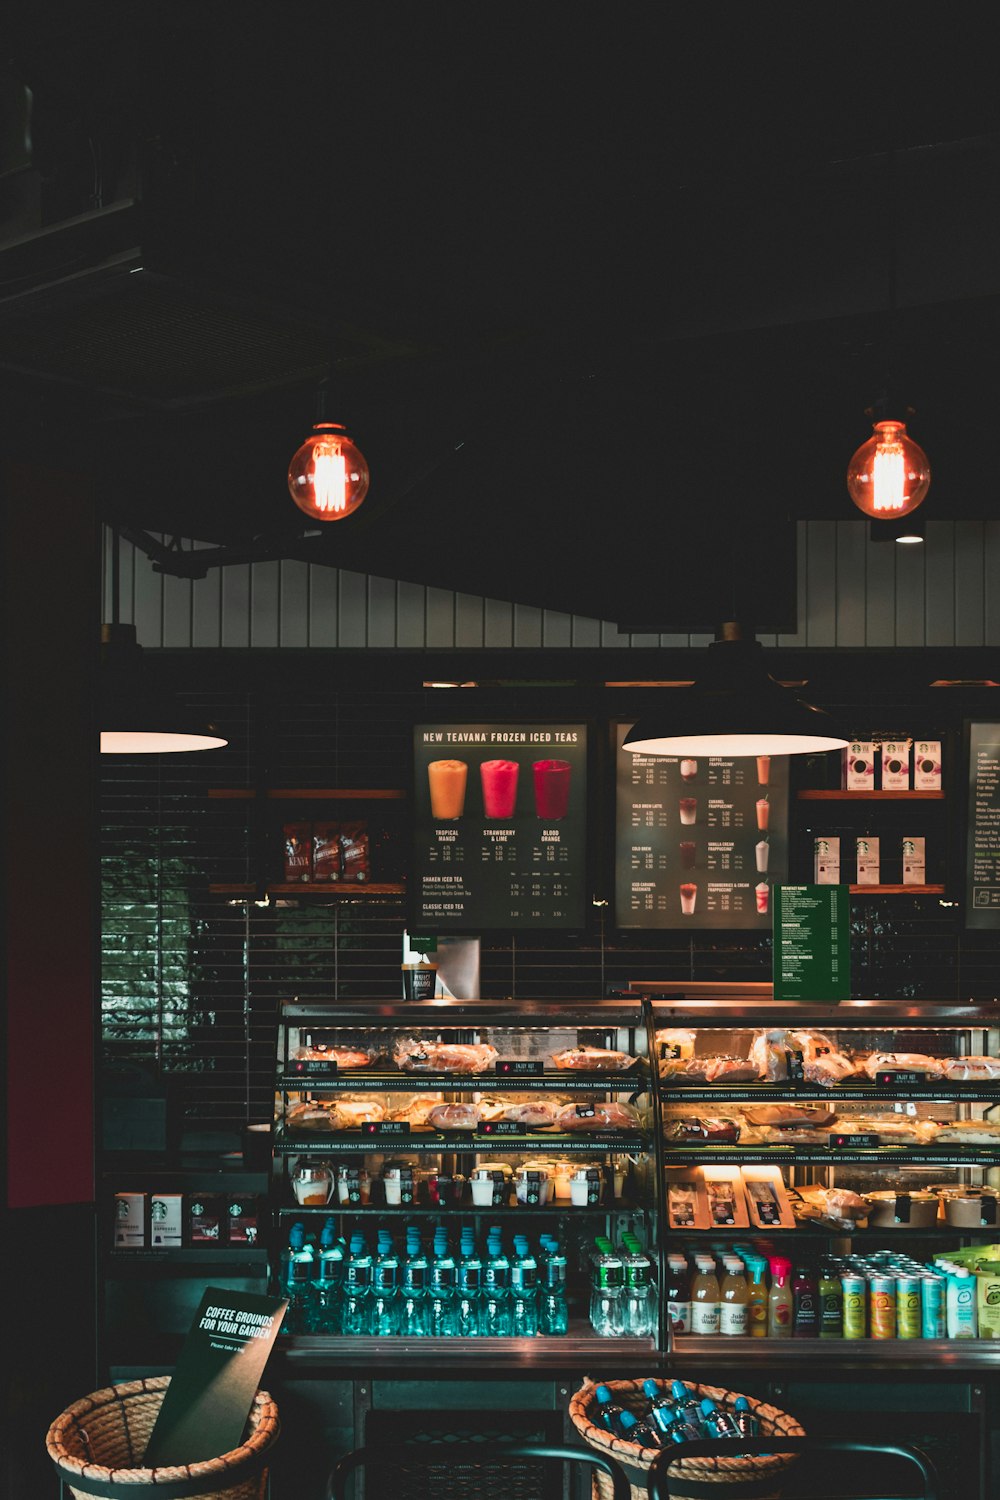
(811, 795)
(342, 890)
(310, 794)
(896, 890)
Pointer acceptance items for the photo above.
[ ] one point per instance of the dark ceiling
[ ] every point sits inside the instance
(605, 292)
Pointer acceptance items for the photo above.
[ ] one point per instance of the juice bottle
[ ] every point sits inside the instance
(805, 1298)
(780, 1304)
(705, 1297)
(734, 1318)
(678, 1295)
(757, 1297)
(831, 1305)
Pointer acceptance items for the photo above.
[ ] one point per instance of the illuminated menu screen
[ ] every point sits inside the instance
(500, 812)
(700, 842)
(982, 855)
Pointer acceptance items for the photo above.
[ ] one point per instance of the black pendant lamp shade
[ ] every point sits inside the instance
(734, 707)
(134, 719)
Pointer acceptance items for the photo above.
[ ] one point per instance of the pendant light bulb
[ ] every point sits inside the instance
(889, 475)
(328, 477)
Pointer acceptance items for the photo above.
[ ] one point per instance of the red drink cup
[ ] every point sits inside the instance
(762, 892)
(688, 809)
(551, 788)
(499, 787)
(687, 854)
(763, 813)
(689, 894)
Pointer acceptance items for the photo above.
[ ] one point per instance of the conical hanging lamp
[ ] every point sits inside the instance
(134, 719)
(734, 707)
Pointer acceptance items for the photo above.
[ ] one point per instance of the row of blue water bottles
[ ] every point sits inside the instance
(346, 1290)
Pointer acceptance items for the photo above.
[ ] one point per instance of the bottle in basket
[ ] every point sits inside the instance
(634, 1431)
(609, 1414)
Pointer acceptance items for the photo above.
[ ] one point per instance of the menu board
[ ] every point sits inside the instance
(501, 830)
(812, 942)
(982, 852)
(700, 842)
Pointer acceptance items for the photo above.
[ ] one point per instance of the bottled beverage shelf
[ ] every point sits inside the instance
(691, 1352)
(393, 1081)
(350, 1142)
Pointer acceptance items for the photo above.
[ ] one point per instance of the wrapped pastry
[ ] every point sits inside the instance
(901, 1062)
(597, 1114)
(769, 1055)
(350, 1113)
(344, 1057)
(812, 1044)
(491, 1109)
(968, 1133)
(312, 1114)
(971, 1069)
(673, 1044)
(417, 1055)
(592, 1060)
(811, 1117)
(699, 1131)
(709, 1070)
(892, 1130)
(416, 1111)
(533, 1114)
(842, 1207)
(454, 1117)
(828, 1069)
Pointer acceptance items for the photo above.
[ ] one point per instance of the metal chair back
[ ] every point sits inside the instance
(658, 1482)
(481, 1453)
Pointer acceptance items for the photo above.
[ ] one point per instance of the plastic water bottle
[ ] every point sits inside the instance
(523, 1290)
(413, 1311)
(553, 1314)
(299, 1283)
(717, 1423)
(744, 1418)
(328, 1286)
(385, 1297)
(639, 1310)
(495, 1316)
(606, 1314)
(661, 1414)
(634, 1431)
(357, 1308)
(444, 1280)
(468, 1304)
(686, 1403)
(609, 1413)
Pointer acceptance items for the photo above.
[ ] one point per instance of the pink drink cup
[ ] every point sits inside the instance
(499, 779)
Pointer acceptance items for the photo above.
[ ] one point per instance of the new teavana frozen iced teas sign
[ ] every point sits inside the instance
(982, 849)
(500, 825)
(701, 841)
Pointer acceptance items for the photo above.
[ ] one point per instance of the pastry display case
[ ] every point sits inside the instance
(835, 1172)
(464, 1146)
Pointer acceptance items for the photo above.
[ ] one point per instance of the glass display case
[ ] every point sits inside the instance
(830, 1181)
(467, 1179)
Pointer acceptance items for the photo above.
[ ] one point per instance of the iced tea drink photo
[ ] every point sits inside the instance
(499, 778)
(551, 788)
(446, 780)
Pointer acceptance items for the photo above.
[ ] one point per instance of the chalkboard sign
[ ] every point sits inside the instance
(500, 826)
(982, 851)
(812, 943)
(700, 842)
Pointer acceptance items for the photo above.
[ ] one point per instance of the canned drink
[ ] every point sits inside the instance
(933, 1313)
(882, 1306)
(855, 1320)
(908, 1309)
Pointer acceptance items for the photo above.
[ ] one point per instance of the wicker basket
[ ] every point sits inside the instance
(97, 1443)
(734, 1478)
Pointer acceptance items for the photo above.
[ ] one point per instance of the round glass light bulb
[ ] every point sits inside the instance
(328, 477)
(889, 475)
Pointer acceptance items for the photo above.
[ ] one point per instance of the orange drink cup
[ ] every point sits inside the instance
(763, 813)
(446, 779)
(763, 769)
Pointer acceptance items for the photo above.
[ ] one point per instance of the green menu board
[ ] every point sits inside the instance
(812, 942)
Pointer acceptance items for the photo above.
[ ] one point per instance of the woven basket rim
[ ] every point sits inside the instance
(264, 1432)
(761, 1466)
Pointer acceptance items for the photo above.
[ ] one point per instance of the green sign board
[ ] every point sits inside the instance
(812, 942)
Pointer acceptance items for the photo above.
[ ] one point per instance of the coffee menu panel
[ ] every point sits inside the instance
(982, 856)
(500, 813)
(700, 842)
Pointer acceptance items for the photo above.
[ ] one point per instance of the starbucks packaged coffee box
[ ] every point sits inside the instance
(914, 862)
(868, 861)
(896, 766)
(858, 766)
(927, 766)
(826, 861)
